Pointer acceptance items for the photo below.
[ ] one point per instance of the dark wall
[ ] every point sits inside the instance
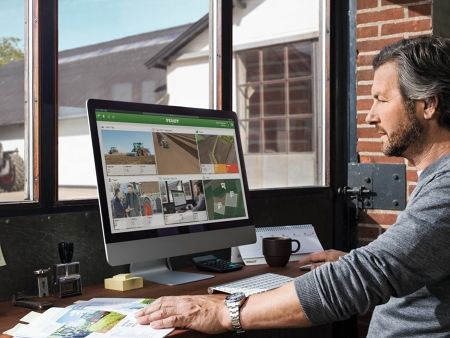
(30, 243)
(439, 17)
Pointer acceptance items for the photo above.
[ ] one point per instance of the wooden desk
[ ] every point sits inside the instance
(10, 315)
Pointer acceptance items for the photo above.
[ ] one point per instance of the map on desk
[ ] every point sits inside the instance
(98, 317)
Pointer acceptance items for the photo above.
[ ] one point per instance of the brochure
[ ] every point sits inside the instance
(98, 317)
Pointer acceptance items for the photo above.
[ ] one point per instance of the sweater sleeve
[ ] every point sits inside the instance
(412, 254)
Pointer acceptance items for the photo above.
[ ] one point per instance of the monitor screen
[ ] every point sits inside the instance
(178, 198)
(151, 159)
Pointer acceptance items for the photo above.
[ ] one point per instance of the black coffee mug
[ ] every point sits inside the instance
(65, 252)
(278, 250)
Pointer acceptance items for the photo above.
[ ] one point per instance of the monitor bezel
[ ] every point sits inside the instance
(93, 105)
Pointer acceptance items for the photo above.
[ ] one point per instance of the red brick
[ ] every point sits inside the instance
(419, 10)
(375, 44)
(364, 75)
(381, 159)
(411, 175)
(367, 32)
(367, 132)
(411, 189)
(368, 232)
(367, 146)
(364, 104)
(377, 218)
(364, 90)
(384, 229)
(407, 26)
(364, 60)
(361, 118)
(382, 15)
(366, 4)
(395, 2)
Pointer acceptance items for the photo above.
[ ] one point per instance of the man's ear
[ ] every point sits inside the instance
(430, 108)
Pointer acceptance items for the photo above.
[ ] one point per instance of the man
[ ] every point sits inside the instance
(133, 203)
(198, 192)
(405, 273)
(119, 210)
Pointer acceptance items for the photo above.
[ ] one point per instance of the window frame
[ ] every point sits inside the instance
(313, 116)
(44, 14)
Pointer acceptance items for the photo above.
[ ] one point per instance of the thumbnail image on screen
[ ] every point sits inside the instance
(176, 153)
(217, 153)
(134, 204)
(224, 198)
(128, 152)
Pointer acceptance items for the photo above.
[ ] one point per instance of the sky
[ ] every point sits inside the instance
(87, 22)
(124, 140)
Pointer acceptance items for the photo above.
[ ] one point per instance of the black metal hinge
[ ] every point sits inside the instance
(376, 186)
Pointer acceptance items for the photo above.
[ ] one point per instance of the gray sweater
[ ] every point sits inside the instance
(405, 272)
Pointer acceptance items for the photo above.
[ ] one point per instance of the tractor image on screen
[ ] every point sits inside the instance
(113, 150)
(139, 150)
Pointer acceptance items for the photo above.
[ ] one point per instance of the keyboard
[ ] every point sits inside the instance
(252, 285)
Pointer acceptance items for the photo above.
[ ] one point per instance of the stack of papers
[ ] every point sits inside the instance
(99, 317)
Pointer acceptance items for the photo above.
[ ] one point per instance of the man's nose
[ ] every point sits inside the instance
(372, 117)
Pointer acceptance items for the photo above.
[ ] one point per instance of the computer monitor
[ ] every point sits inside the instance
(142, 152)
(179, 199)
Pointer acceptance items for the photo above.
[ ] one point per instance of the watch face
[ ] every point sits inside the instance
(235, 297)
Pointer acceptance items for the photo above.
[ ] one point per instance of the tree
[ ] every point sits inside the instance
(9, 52)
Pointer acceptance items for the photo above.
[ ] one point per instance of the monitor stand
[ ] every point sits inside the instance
(157, 271)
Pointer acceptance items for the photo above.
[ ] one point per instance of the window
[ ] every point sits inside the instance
(12, 98)
(104, 57)
(278, 92)
(282, 126)
(275, 87)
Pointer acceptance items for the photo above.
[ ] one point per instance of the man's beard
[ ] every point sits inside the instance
(406, 135)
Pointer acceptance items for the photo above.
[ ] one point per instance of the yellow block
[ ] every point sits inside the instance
(124, 282)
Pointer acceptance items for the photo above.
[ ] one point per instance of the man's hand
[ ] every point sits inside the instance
(207, 314)
(319, 258)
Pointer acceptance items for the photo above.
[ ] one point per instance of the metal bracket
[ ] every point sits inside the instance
(376, 186)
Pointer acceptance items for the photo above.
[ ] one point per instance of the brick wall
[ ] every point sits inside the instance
(380, 22)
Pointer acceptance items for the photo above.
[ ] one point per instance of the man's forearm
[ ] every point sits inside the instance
(279, 308)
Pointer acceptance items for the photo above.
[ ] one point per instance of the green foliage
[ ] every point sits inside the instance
(9, 52)
(228, 138)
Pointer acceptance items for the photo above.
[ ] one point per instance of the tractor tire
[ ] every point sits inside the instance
(147, 208)
(14, 181)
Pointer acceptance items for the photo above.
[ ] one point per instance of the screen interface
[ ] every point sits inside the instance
(147, 157)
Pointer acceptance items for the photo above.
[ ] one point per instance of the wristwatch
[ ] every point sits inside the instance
(234, 302)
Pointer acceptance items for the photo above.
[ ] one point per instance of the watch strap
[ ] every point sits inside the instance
(234, 308)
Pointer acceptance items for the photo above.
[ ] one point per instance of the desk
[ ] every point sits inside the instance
(10, 315)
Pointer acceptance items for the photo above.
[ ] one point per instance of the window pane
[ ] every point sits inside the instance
(12, 98)
(300, 97)
(254, 139)
(251, 135)
(111, 56)
(300, 135)
(273, 63)
(250, 66)
(275, 136)
(299, 55)
(250, 97)
(287, 149)
(274, 99)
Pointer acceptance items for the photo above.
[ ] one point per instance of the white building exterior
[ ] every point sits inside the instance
(262, 23)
